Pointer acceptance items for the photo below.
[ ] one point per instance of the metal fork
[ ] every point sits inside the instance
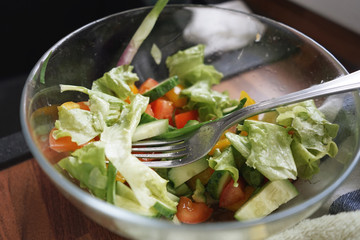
(192, 147)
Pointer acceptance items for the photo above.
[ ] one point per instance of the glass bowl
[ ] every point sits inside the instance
(255, 54)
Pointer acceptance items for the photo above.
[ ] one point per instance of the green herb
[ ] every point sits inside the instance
(43, 68)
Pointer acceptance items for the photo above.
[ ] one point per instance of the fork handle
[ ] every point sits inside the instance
(341, 84)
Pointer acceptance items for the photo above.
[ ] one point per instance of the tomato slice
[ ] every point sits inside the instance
(249, 190)
(191, 213)
(232, 194)
(63, 144)
(147, 85)
(163, 109)
(182, 118)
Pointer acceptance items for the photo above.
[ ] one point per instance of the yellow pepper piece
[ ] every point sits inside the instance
(119, 177)
(243, 133)
(134, 89)
(174, 96)
(249, 101)
(221, 145)
(70, 105)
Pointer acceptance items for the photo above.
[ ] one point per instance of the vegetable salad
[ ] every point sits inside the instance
(253, 164)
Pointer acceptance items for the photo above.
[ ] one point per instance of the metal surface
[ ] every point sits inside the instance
(193, 148)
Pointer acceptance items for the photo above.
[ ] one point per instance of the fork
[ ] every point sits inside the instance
(196, 145)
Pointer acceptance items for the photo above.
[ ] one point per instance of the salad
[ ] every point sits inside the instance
(248, 174)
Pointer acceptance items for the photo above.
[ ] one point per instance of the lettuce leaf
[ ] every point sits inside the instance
(312, 138)
(104, 107)
(78, 124)
(240, 143)
(116, 122)
(116, 82)
(189, 66)
(269, 146)
(82, 125)
(87, 165)
(210, 103)
(312, 129)
(149, 189)
(225, 161)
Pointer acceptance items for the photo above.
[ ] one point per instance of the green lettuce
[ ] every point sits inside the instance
(82, 125)
(104, 108)
(116, 82)
(189, 66)
(313, 135)
(116, 121)
(240, 143)
(210, 103)
(87, 165)
(150, 189)
(267, 149)
(78, 124)
(225, 161)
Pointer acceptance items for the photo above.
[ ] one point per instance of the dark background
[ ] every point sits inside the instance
(30, 27)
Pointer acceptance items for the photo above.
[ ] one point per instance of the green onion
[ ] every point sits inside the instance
(141, 33)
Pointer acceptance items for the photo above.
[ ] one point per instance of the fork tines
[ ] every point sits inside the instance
(159, 149)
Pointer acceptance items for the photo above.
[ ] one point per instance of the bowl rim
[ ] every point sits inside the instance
(120, 214)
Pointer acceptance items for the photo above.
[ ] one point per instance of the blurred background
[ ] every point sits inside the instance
(30, 28)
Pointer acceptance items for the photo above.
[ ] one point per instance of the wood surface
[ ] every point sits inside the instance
(32, 208)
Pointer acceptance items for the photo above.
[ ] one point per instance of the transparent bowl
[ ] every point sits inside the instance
(255, 54)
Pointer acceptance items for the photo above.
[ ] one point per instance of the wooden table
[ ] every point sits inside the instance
(32, 208)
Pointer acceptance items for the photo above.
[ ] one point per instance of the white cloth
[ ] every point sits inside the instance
(342, 226)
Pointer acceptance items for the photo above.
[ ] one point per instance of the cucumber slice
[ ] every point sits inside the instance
(162, 88)
(165, 210)
(150, 129)
(183, 190)
(125, 198)
(146, 118)
(252, 176)
(217, 182)
(179, 175)
(199, 193)
(269, 198)
(173, 197)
